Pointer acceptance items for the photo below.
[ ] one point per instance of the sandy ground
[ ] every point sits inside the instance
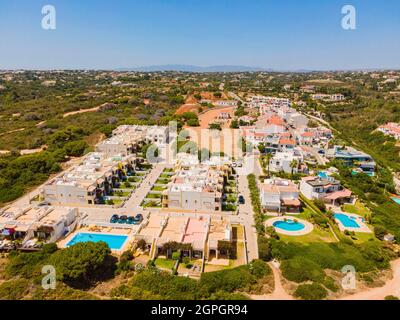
(279, 292)
(392, 287)
(188, 107)
(211, 116)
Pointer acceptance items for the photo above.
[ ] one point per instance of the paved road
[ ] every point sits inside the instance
(245, 215)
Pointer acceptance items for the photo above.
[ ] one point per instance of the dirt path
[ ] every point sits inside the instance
(279, 292)
(392, 287)
(65, 115)
(12, 131)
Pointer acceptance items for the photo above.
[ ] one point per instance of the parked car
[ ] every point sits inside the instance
(123, 219)
(131, 220)
(241, 199)
(139, 218)
(114, 218)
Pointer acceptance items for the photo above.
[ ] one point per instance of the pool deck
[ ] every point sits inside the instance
(363, 226)
(308, 227)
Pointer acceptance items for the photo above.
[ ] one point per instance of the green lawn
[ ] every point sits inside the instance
(162, 181)
(165, 263)
(156, 188)
(358, 208)
(153, 196)
(317, 235)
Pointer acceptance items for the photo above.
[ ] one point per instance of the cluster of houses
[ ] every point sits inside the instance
(197, 186)
(200, 236)
(285, 135)
(284, 132)
(100, 172)
(47, 224)
(337, 97)
(391, 129)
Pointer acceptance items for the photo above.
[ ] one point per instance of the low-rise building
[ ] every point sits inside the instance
(328, 97)
(89, 182)
(288, 162)
(196, 188)
(325, 188)
(280, 195)
(220, 234)
(391, 129)
(352, 157)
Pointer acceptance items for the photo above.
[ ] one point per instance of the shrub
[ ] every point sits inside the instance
(312, 291)
(264, 248)
(176, 255)
(14, 289)
(84, 262)
(391, 298)
(380, 232)
(320, 204)
(300, 269)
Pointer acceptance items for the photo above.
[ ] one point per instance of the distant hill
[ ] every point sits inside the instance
(190, 68)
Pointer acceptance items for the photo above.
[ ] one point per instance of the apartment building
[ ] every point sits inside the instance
(280, 195)
(196, 188)
(325, 188)
(89, 182)
(288, 162)
(127, 139)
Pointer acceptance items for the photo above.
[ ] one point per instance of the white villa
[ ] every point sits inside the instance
(280, 195)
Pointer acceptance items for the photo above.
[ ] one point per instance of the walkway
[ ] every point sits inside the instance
(133, 203)
(279, 292)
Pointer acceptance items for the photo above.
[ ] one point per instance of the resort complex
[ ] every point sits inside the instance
(160, 201)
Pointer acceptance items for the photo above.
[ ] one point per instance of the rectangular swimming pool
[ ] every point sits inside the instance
(115, 242)
(347, 221)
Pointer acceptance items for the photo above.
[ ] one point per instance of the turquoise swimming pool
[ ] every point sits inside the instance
(115, 242)
(289, 225)
(347, 221)
(397, 200)
(322, 175)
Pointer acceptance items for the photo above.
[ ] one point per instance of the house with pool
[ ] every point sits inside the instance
(325, 188)
(280, 195)
(351, 157)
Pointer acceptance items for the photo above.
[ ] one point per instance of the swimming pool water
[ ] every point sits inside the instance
(348, 222)
(115, 242)
(322, 175)
(289, 225)
(397, 200)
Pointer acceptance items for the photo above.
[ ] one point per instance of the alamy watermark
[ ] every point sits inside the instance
(49, 20)
(349, 278)
(349, 21)
(49, 280)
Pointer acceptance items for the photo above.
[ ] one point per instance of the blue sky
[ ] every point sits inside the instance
(279, 34)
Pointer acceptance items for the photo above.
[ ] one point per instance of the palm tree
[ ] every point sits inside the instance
(268, 158)
(294, 164)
